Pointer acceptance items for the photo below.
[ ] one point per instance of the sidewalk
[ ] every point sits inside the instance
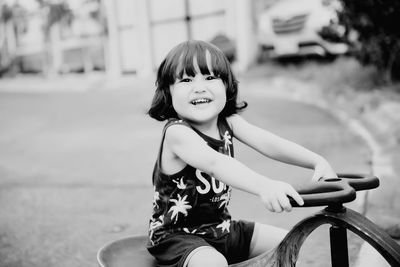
(374, 118)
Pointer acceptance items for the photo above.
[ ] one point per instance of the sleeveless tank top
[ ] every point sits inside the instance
(191, 201)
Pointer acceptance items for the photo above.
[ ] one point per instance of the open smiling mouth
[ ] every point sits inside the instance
(200, 101)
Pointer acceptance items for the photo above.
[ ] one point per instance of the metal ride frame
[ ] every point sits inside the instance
(332, 193)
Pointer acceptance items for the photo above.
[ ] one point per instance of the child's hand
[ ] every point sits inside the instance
(275, 196)
(323, 170)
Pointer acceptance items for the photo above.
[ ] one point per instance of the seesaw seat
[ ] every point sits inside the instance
(126, 252)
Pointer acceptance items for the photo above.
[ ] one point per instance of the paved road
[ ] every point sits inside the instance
(75, 170)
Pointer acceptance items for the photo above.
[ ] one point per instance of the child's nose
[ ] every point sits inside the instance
(199, 87)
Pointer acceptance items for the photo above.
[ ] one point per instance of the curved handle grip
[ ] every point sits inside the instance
(325, 193)
(360, 181)
(335, 190)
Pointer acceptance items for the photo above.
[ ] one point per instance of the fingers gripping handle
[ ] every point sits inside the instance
(334, 190)
(325, 193)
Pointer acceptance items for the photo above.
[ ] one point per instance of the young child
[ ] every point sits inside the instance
(195, 169)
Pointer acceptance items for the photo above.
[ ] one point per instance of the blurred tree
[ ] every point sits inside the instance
(56, 13)
(6, 13)
(12, 24)
(376, 25)
(5, 55)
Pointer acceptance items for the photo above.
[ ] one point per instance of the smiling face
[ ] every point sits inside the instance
(199, 97)
(188, 59)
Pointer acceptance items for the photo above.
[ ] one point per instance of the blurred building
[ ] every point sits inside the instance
(141, 32)
(65, 37)
(126, 36)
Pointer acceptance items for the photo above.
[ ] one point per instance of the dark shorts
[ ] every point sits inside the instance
(235, 246)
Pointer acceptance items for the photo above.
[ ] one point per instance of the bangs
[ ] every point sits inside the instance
(181, 60)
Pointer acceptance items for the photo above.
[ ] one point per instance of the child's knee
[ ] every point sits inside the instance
(206, 256)
(265, 238)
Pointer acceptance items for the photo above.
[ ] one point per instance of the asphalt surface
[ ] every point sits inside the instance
(75, 168)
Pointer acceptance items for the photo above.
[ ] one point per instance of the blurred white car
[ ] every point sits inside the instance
(301, 27)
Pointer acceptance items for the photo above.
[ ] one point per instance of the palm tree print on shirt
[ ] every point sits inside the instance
(224, 200)
(180, 184)
(156, 198)
(155, 224)
(181, 206)
(186, 230)
(227, 139)
(224, 226)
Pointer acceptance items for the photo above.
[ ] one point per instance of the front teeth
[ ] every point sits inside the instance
(200, 101)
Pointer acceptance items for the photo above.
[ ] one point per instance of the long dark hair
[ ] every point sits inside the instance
(180, 61)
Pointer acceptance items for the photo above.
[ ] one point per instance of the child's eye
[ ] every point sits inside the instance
(185, 80)
(211, 77)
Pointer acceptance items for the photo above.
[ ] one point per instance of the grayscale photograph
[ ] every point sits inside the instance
(191, 133)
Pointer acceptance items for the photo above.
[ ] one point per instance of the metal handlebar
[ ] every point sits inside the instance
(359, 181)
(333, 191)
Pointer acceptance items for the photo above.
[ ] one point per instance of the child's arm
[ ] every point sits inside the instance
(279, 148)
(187, 146)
